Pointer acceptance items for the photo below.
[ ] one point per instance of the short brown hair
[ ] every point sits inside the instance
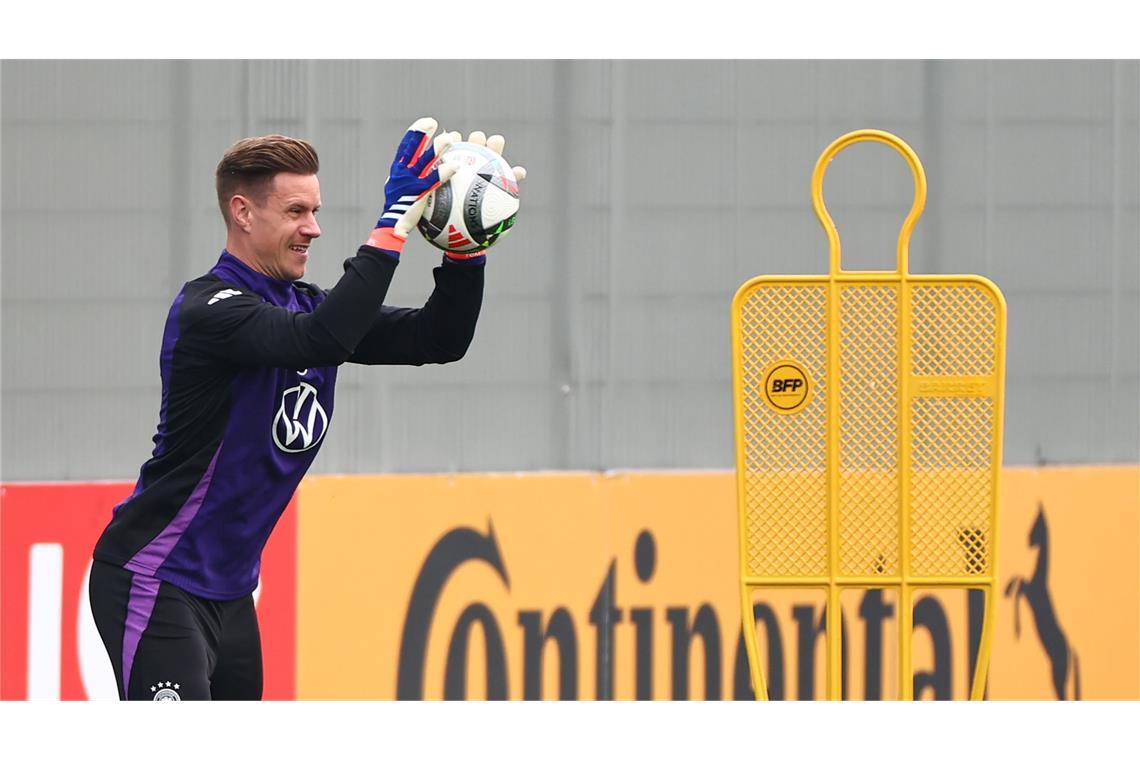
(250, 165)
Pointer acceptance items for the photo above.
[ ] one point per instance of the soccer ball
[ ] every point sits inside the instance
(477, 206)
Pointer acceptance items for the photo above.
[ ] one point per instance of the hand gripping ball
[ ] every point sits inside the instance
(477, 206)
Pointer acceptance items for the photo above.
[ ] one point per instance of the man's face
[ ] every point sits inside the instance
(282, 227)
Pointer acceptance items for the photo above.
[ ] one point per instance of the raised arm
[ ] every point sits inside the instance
(244, 329)
(443, 328)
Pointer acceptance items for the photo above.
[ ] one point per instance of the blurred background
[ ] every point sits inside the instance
(655, 189)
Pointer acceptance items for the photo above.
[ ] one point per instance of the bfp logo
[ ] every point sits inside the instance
(787, 388)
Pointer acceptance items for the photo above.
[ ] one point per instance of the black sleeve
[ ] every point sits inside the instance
(437, 333)
(247, 331)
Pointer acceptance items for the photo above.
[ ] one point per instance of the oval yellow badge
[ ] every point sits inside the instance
(787, 387)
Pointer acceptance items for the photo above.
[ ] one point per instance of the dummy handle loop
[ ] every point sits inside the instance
(868, 135)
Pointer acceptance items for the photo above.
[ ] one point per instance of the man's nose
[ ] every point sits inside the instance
(311, 228)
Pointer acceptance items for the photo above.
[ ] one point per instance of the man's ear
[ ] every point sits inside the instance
(241, 211)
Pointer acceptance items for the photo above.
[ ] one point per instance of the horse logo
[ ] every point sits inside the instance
(1035, 591)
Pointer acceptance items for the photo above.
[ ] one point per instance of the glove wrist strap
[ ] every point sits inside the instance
(386, 238)
(456, 256)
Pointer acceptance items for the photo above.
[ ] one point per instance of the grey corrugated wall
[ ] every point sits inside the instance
(656, 188)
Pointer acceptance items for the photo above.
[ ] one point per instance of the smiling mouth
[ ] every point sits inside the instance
(300, 249)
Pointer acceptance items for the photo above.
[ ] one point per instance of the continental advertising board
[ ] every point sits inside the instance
(592, 586)
(623, 586)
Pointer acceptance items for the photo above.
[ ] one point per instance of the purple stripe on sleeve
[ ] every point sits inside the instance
(140, 605)
(150, 557)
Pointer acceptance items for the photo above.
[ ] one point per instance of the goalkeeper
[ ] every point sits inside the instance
(249, 362)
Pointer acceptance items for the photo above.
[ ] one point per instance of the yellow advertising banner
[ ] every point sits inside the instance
(624, 586)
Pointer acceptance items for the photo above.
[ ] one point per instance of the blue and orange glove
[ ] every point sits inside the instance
(415, 173)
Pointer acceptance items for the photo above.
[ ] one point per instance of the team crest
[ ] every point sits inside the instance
(165, 691)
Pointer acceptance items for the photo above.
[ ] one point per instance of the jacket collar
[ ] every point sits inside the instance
(232, 269)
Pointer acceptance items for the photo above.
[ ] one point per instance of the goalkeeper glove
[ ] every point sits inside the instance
(415, 173)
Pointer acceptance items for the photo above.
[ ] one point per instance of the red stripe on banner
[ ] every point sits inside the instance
(73, 516)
